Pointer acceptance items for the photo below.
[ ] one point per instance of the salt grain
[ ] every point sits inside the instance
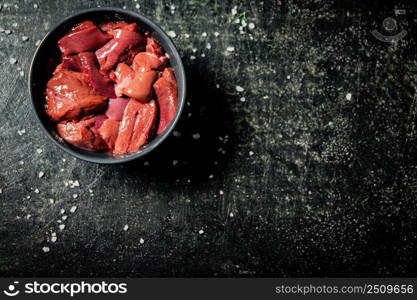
(172, 34)
(192, 57)
(137, 6)
(141, 240)
(174, 162)
(8, 31)
(221, 192)
(22, 73)
(216, 33)
(35, 5)
(201, 231)
(203, 55)
(37, 191)
(176, 133)
(53, 239)
(208, 46)
(39, 151)
(211, 176)
(12, 60)
(204, 34)
(62, 211)
(73, 209)
(25, 38)
(41, 174)
(64, 217)
(21, 132)
(217, 85)
(251, 26)
(230, 48)
(126, 227)
(348, 96)
(196, 136)
(75, 196)
(234, 10)
(231, 215)
(61, 227)
(242, 99)
(239, 88)
(46, 249)
(251, 153)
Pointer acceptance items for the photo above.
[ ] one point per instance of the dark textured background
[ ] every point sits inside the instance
(306, 182)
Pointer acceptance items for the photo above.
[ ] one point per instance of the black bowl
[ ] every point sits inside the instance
(42, 66)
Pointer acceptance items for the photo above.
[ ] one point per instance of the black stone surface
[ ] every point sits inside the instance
(300, 179)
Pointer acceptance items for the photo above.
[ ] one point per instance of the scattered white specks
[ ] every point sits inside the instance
(21, 162)
(172, 7)
(196, 136)
(192, 57)
(230, 48)
(61, 227)
(211, 176)
(39, 151)
(239, 88)
(21, 132)
(237, 21)
(187, 36)
(22, 73)
(28, 197)
(172, 33)
(204, 34)
(59, 221)
(28, 216)
(64, 217)
(201, 231)
(137, 6)
(146, 163)
(234, 10)
(251, 153)
(242, 99)
(251, 26)
(8, 31)
(75, 196)
(62, 211)
(41, 174)
(348, 96)
(194, 50)
(288, 77)
(217, 85)
(73, 183)
(12, 60)
(221, 192)
(231, 215)
(51, 201)
(126, 227)
(53, 234)
(53, 239)
(25, 38)
(35, 5)
(73, 209)
(174, 162)
(46, 249)
(176, 133)
(216, 34)
(203, 55)
(208, 46)
(141, 240)
(38, 42)
(36, 191)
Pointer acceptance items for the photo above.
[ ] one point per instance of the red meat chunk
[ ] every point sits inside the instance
(81, 134)
(133, 84)
(71, 62)
(167, 95)
(69, 96)
(85, 37)
(144, 61)
(109, 131)
(116, 108)
(152, 46)
(123, 47)
(99, 81)
(136, 126)
(110, 27)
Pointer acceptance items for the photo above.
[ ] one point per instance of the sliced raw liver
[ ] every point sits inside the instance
(166, 92)
(133, 84)
(110, 27)
(81, 134)
(144, 61)
(109, 131)
(99, 81)
(123, 47)
(152, 46)
(69, 96)
(136, 126)
(116, 108)
(85, 37)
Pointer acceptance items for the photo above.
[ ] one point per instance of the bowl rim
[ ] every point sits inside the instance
(180, 67)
